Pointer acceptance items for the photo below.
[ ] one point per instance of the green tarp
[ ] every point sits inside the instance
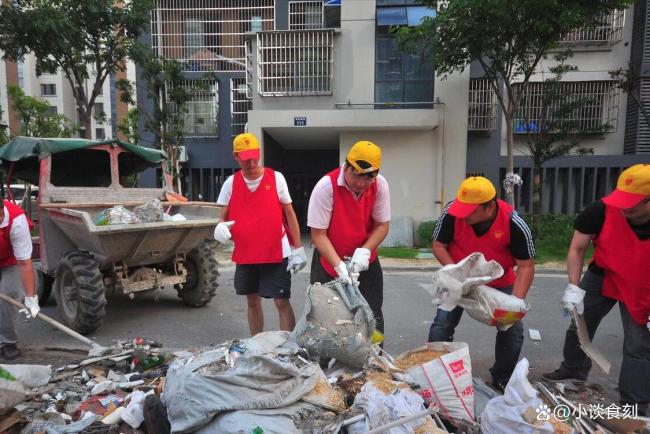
(26, 147)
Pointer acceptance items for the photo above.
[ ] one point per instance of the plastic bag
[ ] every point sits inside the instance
(453, 281)
(117, 215)
(382, 409)
(446, 380)
(462, 284)
(337, 322)
(504, 414)
(133, 414)
(30, 375)
(493, 307)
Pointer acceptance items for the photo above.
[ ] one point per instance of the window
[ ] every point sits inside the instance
(305, 15)
(208, 35)
(202, 111)
(52, 110)
(99, 112)
(295, 62)
(580, 106)
(239, 105)
(48, 89)
(192, 37)
(401, 80)
(482, 112)
(100, 134)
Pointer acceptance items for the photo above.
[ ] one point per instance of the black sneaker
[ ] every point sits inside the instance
(560, 375)
(10, 352)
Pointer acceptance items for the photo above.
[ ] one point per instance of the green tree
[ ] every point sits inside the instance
(166, 86)
(36, 120)
(508, 38)
(629, 81)
(556, 127)
(85, 39)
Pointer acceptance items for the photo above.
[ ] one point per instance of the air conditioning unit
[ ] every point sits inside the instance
(182, 154)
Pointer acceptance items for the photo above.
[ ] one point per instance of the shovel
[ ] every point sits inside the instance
(95, 348)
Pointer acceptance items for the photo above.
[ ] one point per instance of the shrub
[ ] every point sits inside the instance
(425, 232)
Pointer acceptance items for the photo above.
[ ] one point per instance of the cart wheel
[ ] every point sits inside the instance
(202, 273)
(44, 286)
(80, 292)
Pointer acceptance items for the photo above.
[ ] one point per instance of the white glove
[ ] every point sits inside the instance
(573, 297)
(222, 231)
(31, 303)
(297, 260)
(342, 272)
(360, 260)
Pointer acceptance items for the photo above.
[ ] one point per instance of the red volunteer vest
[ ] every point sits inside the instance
(258, 231)
(624, 258)
(351, 222)
(494, 244)
(7, 258)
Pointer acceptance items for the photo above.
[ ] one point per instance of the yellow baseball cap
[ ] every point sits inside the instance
(472, 192)
(365, 156)
(246, 146)
(632, 187)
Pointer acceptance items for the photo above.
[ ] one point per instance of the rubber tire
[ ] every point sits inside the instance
(82, 268)
(44, 287)
(202, 274)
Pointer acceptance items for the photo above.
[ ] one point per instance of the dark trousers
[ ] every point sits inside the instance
(371, 285)
(634, 380)
(506, 348)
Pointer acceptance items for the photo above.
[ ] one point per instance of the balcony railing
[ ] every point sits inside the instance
(208, 35)
(295, 62)
(482, 106)
(609, 32)
(577, 106)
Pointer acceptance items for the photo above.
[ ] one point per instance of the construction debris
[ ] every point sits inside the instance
(269, 384)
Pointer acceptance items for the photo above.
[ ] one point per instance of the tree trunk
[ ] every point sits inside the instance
(510, 196)
(88, 125)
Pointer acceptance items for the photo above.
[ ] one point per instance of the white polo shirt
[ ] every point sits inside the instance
(321, 201)
(21, 239)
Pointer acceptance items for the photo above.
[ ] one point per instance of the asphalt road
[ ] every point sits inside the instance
(407, 310)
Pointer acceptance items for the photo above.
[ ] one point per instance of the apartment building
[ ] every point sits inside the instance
(57, 92)
(310, 78)
(571, 182)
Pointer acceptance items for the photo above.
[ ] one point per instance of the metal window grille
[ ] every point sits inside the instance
(482, 106)
(208, 35)
(596, 106)
(202, 111)
(295, 62)
(249, 69)
(304, 15)
(609, 32)
(239, 105)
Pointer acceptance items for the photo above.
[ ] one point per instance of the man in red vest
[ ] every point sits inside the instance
(619, 227)
(17, 274)
(349, 214)
(257, 203)
(476, 221)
